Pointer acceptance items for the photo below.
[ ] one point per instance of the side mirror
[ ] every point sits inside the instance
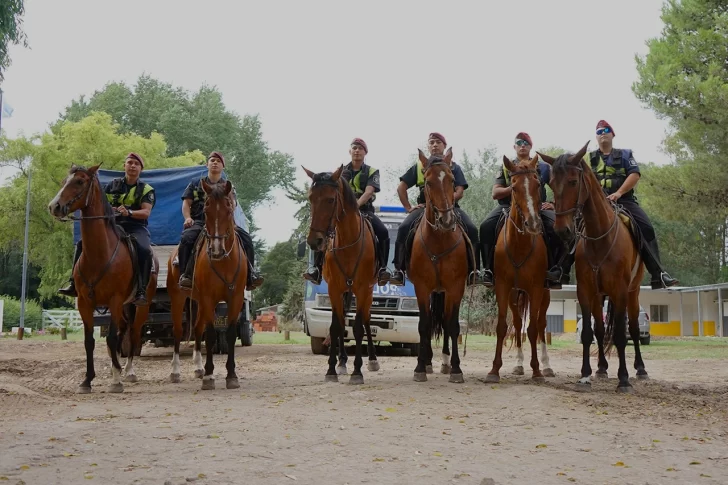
(301, 249)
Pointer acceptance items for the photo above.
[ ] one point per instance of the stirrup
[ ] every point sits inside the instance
(383, 277)
(488, 279)
(185, 282)
(140, 299)
(397, 278)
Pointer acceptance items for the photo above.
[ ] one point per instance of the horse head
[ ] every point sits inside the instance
(526, 193)
(325, 200)
(75, 191)
(219, 222)
(440, 190)
(570, 190)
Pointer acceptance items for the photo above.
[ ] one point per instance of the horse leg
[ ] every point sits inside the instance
(425, 331)
(112, 341)
(452, 319)
(545, 302)
(518, 329)
(533, 330)
(587, 335)
(176, 310)
(356, 376)
(597, 312)
(197, 352)
(336, 332)
(373, 363)
(343, 358)
(87, 315)
(502, 295)
(231, 379)
(633, 312)
(430, 353)
(619, 336)
(445, 367)
(137, 317)
(207, 317)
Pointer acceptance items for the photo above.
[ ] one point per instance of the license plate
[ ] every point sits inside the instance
(220, 322)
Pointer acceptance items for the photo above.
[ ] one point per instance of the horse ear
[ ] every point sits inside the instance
(94, 169)
(546, 158)
(448, 156)
(206, 187)
(228, 187)
(508, 164)
(422, 157)
(335, 176)
(534, 161)
(576, 159)
(308, 172)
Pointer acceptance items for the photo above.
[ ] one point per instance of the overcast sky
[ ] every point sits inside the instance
(322, 72)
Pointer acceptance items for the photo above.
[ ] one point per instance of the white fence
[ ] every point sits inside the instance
(61, 318)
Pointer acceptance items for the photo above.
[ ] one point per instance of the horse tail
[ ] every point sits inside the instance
(437, 312)
(609, 331)
(522, 305)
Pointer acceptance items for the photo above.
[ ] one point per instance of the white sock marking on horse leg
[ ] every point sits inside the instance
(175, 364)
(197, 359)
(545, 356)
(115, 375)
(585, 380)
(445, 359)
(519, 357)
(129, 368)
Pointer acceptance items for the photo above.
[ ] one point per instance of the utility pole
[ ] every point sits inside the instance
(25, 261)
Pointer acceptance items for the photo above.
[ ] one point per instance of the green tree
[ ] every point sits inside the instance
(194, 121)
(93, 140)
(276, 266)
(11, 31)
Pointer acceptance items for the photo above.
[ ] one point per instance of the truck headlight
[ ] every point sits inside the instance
(408, 305)
(323, 301)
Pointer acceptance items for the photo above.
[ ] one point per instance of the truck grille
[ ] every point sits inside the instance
(380, 303)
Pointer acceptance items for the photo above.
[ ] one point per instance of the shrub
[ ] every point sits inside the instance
(11, 313)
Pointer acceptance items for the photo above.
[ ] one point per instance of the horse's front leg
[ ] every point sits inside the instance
(619, 336)
(373, 363)
(356, 376)
(533, 330)
(425, 330)
(231, 379)
(502, 291)
(633, 313)
(336, 331)
(112, 342)
(176, 304)
(87, 315)
(452, 316)
(602, 364)
(545, 361)
(587, 335)
(518, 336)
(343, 358)
(206, 324)
(445, 367)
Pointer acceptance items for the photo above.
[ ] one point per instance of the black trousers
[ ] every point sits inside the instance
(472, 234)
(649, 251)
(190, 235)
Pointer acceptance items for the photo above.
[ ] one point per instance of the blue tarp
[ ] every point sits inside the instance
(165, 223)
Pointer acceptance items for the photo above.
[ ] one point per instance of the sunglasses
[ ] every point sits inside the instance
(601, 131)
(522, 143)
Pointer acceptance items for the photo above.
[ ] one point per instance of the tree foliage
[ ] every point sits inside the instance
(11, 31)
(277, 266)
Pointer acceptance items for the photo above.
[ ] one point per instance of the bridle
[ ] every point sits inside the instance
(90, 186)
(210, 238)
(520, 230)
(438, 212)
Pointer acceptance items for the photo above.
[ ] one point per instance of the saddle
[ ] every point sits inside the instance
(131, 244)
(409, 241)
(370, 228)
(632, 227)
(198, 245)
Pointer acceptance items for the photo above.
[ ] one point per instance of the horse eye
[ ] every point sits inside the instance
(573, 183)
(79, 182)
(330, 201)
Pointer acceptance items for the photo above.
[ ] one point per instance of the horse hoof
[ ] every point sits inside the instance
(373, 366)
(199, 373)
(627, 389)
(356, 379)
(341, 370)
(602, 374)
(420, 377)
(429, 370)
(83, 390)
(643, 377)
(232, 383)
(457, 378)
(549, 373)
(518, 370)
(538, 379)
(131, 378)
(116, 388)
(176, 378)
(583, 386)
(492, 379)
(445, 369)
(331, 378)
(208, 384)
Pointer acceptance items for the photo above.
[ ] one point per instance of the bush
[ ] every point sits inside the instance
(11, 313)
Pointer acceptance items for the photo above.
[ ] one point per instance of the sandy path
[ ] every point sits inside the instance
(286, 425)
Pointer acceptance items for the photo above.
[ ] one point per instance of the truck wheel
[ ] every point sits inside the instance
(221, 346)
(246, 337)
(414, 349)
(645, 340)
(318, 347)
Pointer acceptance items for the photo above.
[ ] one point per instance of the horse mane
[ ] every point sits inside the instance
(561, 165)
(325, 178)
(218, 191)
(433, 160)
(109, 213)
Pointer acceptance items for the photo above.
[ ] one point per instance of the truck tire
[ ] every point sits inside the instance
(645, 340)
(246, 335)
(414, 349)
(221, 346)
(318, 347)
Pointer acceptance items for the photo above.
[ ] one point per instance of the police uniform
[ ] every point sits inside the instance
(612, 171)
(415, 176)
(489, 236)
(197, 195)
(120, 193)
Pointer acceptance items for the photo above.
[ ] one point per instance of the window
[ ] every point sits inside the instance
(658, 313)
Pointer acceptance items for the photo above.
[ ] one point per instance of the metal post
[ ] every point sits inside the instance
(25, 261)
(719, 320)
(700, 317)
(682, 322)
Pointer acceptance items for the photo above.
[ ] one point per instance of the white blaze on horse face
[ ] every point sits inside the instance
(216, 242)
(529, 201)
(442, 176)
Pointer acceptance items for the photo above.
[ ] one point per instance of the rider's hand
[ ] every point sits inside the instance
(188, 222)
(614, 197)
(122, 210)
(547, 206)
(418, 206)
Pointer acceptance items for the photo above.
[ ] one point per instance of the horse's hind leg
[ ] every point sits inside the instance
(597, 309)
(445, 367)
(176, 303)
(620, 341)
(356, 376)
(545, 361)
(533, 330)
(89, 343)
(373, 363)
(137, 317)
(112, 342)
(502, 293)
(456, 374)
(424, 328)
(231, 379)
(518, 335)
(206, 317)
(633, 312)
(343, 358)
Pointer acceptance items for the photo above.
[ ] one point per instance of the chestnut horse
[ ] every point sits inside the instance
(607, 263)
(521, 261)
(350, 265)
(104, 273)
(438, 266)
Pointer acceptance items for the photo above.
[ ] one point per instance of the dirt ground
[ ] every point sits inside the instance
(286, 425)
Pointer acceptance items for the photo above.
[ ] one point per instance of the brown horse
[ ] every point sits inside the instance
(104, 273)
(607, 263)
(438, 266)
(521, 261)
(350, 265)
(220, 274)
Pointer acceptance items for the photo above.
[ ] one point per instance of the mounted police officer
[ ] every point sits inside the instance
(415, 176)
(364, 181)
(618, 173)
(133, 201)
(193, 210)
(502, 193)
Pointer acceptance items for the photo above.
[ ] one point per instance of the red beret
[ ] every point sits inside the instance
(361, 143)
(217, 155)
(604, 124)
(525, 137)
(437, 136)
(137, 157)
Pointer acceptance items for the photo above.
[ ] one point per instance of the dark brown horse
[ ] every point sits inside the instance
(438, 266)
(338, 228)
(220, 274)
(521, 261)
(104, 273)
(608, 263)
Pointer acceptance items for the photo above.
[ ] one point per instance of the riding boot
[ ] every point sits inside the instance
(314, 273)
(553, 274)
(145, 269)
(70, 290)
(397, 278)
(651, 256)
(254, 279)
(487, 273)
(185, 279)
(384, 276)
(567, 261)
